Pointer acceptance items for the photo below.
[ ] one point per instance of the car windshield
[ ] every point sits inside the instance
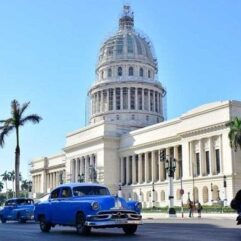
(90, 190)
(19, 202)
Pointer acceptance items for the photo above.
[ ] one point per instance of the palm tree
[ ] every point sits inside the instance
(25, 186)
(5, 177)
(1, 186)
(14, 123)
(12, 178)
(234, 134)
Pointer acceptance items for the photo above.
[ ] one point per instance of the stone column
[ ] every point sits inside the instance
(76, 170)
(107, 98)
(146, 168)
(136, 98)
(154, 101)
(149, 100)
(211, 157)
(127, 170)
(201, 157)
(122, 171)
(153, 166)
(143, 108)
(114, 98)
(176, 174)
(121, 98)
(133, 169)
(82, 166)
(140, 177)
(87, 168)
(129, 97)
(101, 101)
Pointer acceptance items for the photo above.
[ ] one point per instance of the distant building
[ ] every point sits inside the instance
(121, 145)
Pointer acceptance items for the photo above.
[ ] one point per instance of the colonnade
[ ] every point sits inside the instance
(126, 98)
(37, 181)
(147, 167)
(53, 179)
(82, 168)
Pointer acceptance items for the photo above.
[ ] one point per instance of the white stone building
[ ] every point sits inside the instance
(127, 132)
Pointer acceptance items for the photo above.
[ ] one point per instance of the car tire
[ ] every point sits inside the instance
(130, 229)
(44, 226)
(81, 228)
(3, 220)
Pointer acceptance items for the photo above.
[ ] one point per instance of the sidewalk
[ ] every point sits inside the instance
(231, 216)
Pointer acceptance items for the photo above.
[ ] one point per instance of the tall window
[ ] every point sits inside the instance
(109, 72)
(139, 99)
(197, 164)
(130, 47)
(141, 72)
(119, 46)
(105, 102)
(117, 98)
(217, 161)
(156, 106)
(207, 163)
(149, 74)
(111, 99)
(131, 71)
(125, 170)
(119, 71)
(133, 92)
(125, 98)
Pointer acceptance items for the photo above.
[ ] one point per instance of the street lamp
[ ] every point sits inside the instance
(212, 193)
(153, 192)
(225, 190)
(170, 166)
(140, 194)
(81, 177)
(30, 185)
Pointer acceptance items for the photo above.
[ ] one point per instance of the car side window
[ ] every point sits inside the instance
(66, 192)
(55, 193)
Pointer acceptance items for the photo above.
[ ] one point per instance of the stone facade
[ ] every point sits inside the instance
(121, 146)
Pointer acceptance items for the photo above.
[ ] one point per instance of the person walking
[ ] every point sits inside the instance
(190, 208)
(199, 209)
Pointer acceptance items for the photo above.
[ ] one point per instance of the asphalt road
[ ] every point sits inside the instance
(151, 230)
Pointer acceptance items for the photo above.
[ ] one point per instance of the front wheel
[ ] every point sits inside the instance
(44, 226)
(20, 220)
(3, 220)
(81, 228)
(130, 229)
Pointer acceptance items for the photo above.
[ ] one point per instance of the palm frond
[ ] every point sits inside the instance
(24, 107)
(5, 131)
(34, 118)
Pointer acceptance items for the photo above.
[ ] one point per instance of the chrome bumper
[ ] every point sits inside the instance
(112, 223)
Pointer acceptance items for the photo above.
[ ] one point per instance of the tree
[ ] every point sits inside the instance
(12, 178)
(234, 134)
(5, 177)
(16, 121)
(1, 186)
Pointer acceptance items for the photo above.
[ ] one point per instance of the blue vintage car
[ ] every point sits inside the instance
(86, 206)
(20, 209)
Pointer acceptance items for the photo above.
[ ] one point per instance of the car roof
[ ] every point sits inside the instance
(82, 184)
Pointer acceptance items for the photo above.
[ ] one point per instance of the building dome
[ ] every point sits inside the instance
(126, 90)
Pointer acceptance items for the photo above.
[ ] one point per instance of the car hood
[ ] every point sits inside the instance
(107, 202)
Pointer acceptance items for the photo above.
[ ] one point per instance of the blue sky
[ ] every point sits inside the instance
(49, 48)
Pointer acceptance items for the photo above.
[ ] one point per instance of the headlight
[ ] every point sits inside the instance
(95, 205)
(138, 205)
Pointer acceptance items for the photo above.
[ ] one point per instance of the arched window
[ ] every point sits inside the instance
(131, 71)
(149, 74)
(119, 71)
(141, 72)
(109, 72)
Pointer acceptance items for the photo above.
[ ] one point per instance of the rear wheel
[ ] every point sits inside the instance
(81, 228)
(3, 220)
(44, 226)
(130, 229)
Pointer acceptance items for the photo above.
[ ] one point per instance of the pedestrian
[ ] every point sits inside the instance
(199, 209)
(190, 208)
(236, 204)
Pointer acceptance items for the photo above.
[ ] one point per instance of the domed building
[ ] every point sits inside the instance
(123, 144)
(126, 90)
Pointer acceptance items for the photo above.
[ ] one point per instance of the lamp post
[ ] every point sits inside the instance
(212, 193)
(140, 194)
(30, 185)
(170, 166)
(153, 192)
(225, 190)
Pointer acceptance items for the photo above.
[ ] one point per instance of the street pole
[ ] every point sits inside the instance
(225, 191)
(119, 191)
(182, 192)
(153, 200)
(170, 167)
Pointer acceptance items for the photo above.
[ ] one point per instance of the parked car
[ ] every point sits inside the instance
(86, 206)
(20, 209)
